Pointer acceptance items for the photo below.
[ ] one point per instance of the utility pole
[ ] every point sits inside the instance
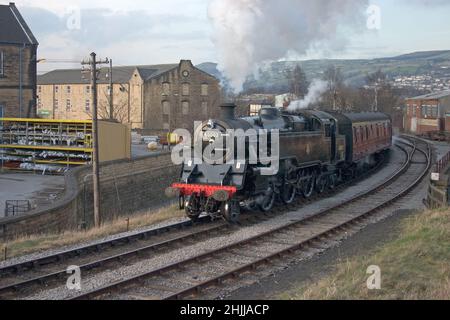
(95, 157)
(376, 98)
(111, 106)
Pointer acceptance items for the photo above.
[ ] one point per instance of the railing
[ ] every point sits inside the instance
(442, 164)
(16, 207)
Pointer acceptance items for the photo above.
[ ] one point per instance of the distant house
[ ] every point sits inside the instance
(151, 98)
(428, 113)
(18, 49)
(250, 105)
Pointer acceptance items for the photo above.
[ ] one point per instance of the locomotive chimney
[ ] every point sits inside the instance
(228, 111)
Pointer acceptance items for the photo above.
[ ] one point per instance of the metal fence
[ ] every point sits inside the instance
(16, 207)
(442, 164)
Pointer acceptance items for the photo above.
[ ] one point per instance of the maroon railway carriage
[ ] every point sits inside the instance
(366, 134)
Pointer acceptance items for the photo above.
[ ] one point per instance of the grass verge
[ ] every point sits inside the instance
(34, 244)
(415, 265)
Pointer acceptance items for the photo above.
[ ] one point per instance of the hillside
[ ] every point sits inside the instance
(354, 71)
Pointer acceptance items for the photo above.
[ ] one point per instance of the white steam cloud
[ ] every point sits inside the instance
(249, 33)
(315, 92)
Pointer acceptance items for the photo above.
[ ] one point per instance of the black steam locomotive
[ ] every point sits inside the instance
(317, 150)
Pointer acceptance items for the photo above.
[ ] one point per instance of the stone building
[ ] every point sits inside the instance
(152, 99)
(428, 113)
(18, 49)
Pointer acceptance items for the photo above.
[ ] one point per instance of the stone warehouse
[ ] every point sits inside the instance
(18, 49)
(152, 99)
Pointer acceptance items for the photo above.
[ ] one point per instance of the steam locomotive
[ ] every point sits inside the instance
(317, 150)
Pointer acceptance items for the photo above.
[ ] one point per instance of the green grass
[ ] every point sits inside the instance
(416, 265)
(33, 244)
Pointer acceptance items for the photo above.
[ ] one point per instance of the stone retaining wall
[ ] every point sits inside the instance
(127, 187)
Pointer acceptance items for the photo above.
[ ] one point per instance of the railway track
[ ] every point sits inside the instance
(189, 277)
(21, 278)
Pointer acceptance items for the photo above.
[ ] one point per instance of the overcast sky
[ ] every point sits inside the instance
(165, 31)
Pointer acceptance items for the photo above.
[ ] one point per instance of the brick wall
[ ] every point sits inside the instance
(127, 187)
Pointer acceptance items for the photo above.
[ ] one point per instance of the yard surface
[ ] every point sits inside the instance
(38, 189)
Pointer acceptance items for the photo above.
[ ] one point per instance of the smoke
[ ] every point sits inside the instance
(249, 33)
(315, 92)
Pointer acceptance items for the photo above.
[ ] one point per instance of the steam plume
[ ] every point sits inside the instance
(315, 92)
(248, 33)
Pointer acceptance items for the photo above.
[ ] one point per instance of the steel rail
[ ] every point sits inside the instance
(117, 285)
(141, 236)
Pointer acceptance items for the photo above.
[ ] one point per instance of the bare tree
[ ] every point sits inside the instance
(298, 82)
(384, 98)
(336, 87)
(120, 109)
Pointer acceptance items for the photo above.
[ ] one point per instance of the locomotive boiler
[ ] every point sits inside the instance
(315, 151)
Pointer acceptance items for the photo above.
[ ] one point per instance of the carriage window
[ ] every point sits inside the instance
(355, 135)
(367, 133)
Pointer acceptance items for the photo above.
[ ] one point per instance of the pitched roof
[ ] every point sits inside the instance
(120, 74)
(435, 95)
(13, 28)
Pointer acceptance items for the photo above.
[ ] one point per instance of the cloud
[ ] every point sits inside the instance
(130, 37)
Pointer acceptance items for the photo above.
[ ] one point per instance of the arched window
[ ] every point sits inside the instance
(205, 108)
(185, 107)
(166, 107)
(185, 89)
(204, 89)
(166, 88)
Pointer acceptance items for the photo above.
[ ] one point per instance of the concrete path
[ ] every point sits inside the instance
(40, 190)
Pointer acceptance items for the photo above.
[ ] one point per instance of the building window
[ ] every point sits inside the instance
(205, 108)
(2, 63)
(185, 89)
(204, 89)
(429, 111)
(166, 89)
(68, 89)
(166, 126)
(68, 105)
(166, 107)
(254, 109)
(88, 89)
(39, 89)
(185, 107)
(56, 89)
(88, 105)
(56, 104)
